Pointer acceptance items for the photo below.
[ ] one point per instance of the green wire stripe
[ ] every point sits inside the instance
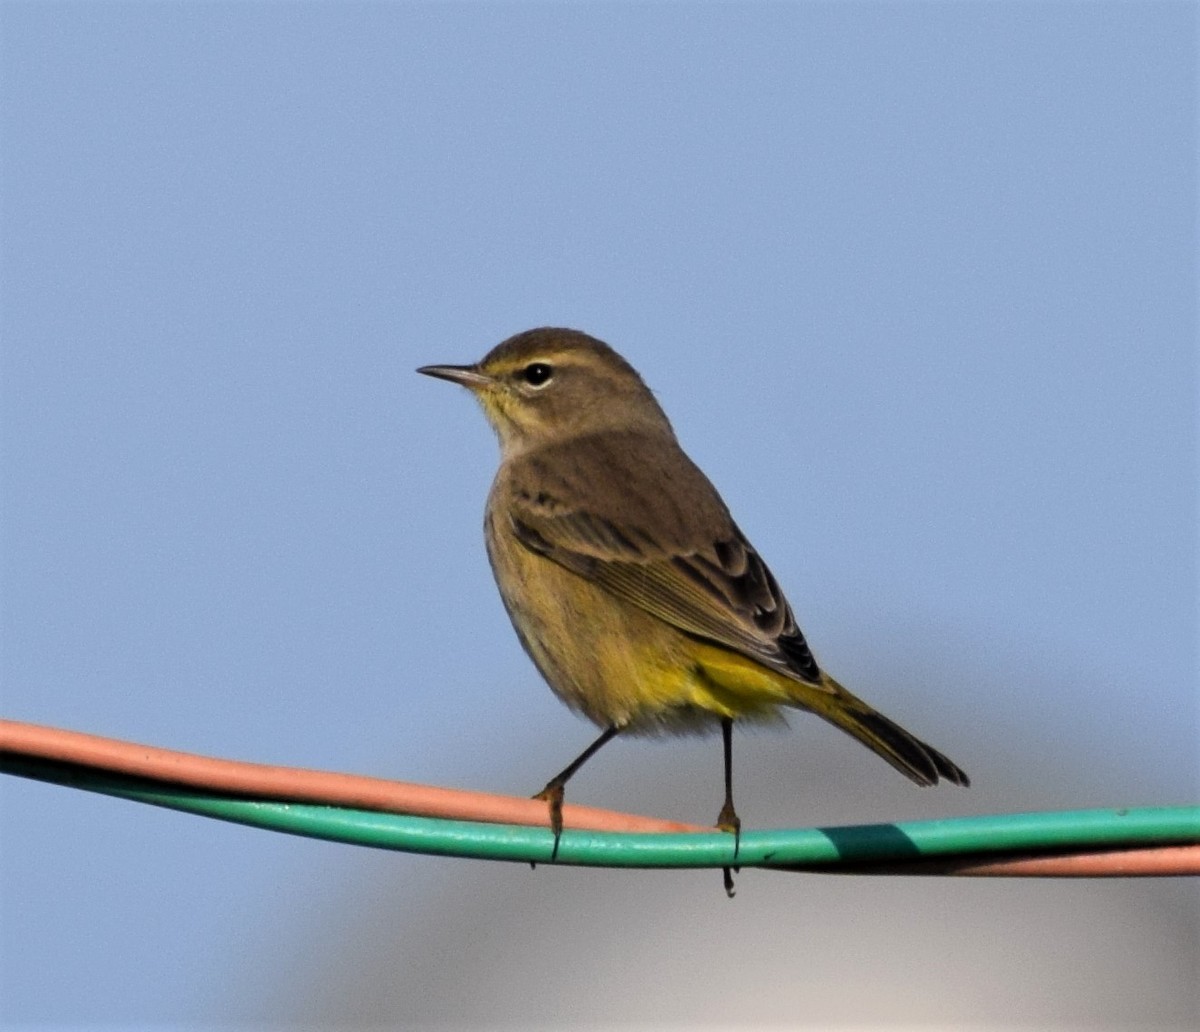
(868, 843)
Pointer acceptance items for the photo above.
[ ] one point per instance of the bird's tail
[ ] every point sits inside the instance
(907, 753)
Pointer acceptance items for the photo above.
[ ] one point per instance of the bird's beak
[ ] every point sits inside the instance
(466, 375)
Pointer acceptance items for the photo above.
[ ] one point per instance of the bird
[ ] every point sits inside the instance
(638, 598)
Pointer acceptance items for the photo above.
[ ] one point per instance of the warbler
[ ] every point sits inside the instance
(639, 600)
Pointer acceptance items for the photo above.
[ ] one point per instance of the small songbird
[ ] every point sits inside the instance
(630, 586)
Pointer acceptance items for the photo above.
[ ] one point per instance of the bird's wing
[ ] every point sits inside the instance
(667, 544)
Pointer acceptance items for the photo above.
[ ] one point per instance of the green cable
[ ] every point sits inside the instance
(877, 843)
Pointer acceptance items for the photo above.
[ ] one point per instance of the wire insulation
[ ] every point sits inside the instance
(1146, 841)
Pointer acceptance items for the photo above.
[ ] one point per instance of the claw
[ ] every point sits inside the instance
(729, 822)
(553, 795)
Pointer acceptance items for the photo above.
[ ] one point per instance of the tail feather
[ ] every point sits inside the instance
(907, 753)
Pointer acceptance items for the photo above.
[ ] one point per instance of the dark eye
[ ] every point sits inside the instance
(537, 374)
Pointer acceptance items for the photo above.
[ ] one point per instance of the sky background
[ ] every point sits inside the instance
(916, 284)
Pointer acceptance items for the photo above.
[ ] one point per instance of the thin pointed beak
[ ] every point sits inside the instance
(468, 376)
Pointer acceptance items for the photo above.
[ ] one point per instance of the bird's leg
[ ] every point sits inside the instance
(727, 819)
(553, 792)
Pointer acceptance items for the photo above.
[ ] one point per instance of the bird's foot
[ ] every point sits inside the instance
(553, 795)
(729, 822)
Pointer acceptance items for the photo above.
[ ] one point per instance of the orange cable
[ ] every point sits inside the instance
(299, 785)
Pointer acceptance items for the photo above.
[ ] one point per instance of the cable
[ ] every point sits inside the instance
(1145, 841)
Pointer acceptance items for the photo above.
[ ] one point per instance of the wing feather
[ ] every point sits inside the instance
(689, 566)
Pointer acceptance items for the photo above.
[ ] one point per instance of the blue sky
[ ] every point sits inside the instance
(916, 285)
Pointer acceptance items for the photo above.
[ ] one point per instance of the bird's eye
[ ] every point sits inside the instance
(537, 374)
